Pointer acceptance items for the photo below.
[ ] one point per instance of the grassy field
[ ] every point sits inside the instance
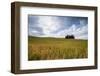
(56, 48)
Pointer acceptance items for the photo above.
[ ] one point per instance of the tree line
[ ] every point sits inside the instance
(69, 37)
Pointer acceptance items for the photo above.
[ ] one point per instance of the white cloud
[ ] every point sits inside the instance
(79, 33)
(48, 24)
(34, 31)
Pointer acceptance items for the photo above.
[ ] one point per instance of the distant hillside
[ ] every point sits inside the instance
(52, 38)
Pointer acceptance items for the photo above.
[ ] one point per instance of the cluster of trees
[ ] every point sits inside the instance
(70, 37)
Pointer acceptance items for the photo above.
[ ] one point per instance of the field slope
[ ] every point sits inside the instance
(56, 48)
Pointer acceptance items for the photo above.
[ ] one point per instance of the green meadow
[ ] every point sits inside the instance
(56, 48)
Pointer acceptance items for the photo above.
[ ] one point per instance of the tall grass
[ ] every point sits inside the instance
(56, 48)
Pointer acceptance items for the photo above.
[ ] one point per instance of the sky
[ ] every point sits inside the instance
(57, 26)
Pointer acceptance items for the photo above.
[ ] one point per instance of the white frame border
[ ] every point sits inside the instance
(25, 64)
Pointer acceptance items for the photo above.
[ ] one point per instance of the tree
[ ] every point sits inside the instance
(69, 37)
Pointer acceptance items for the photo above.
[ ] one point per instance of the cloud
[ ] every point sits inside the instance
(49, 24)
(58, 26)
(79, 33)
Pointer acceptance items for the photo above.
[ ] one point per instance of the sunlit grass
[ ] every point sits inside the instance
(56, 48)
